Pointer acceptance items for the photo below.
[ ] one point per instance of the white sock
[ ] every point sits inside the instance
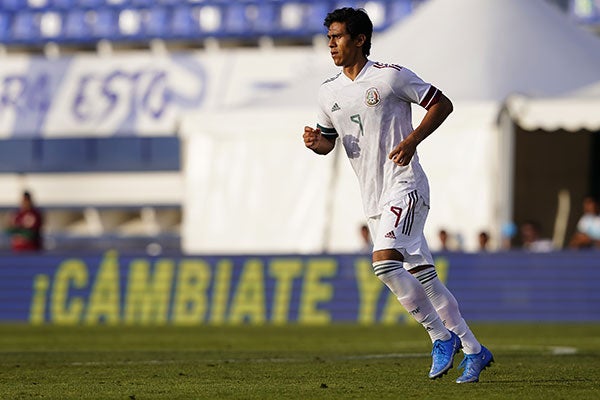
(447, 307)
(412, 296)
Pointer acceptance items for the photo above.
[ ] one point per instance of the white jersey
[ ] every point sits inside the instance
(372, 115)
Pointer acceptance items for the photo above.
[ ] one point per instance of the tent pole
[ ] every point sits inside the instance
(506, 169)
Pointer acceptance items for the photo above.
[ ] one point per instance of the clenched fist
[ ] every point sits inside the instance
(312, 137)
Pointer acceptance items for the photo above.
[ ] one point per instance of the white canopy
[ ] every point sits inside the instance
(579, 110)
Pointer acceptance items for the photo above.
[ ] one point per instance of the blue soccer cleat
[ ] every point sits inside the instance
(443, 355)
(474, 364)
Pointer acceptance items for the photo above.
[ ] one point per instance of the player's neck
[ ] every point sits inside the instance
(352, 70)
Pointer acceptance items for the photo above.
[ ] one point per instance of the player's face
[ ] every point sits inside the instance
(344, 50)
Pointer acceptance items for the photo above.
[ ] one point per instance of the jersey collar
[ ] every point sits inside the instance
(362, 72)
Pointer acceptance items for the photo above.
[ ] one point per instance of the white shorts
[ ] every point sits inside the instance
(400, 226)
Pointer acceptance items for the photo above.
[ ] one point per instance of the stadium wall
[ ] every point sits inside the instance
(123, 289)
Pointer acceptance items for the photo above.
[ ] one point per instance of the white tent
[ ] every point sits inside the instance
(480, 50)
(476, 51)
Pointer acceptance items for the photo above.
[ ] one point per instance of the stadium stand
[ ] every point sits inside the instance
(38, 22)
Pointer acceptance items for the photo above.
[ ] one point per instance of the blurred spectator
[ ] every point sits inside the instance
(531, 240)
(367, 243)
(588, 227)
(509, 232)
(443, 236)
(483, 240)
(25, 226)
(449, 241)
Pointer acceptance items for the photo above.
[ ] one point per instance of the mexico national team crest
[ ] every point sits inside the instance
(372, 97)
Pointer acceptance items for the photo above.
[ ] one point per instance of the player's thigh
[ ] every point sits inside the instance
(400, 227)
(381, 254)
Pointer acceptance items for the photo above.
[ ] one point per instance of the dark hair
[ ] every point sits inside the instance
(357, 22)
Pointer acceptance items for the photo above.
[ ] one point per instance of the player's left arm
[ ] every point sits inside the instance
(435, 116)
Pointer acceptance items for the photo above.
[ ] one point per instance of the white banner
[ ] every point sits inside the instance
(133, 93)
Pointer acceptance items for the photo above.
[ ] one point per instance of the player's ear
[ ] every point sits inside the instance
(360, 39)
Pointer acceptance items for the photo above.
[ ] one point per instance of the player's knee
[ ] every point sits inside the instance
(385, 270)
(426, 276)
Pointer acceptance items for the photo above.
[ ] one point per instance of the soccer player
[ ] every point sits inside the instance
(368, 104)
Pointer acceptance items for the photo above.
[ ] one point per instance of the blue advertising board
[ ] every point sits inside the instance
(118, 289)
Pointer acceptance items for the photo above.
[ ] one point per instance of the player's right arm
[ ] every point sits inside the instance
(317, 142)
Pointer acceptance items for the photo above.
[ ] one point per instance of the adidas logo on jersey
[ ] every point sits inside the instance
(390, 235)
(335, 107)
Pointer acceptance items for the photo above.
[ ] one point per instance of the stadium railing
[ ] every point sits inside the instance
(87, 154)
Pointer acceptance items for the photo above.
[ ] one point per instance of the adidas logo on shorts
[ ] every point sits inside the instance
(390, 235)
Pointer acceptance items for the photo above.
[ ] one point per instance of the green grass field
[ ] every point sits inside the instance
(533, 361)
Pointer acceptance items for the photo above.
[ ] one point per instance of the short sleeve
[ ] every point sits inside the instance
(409, 87)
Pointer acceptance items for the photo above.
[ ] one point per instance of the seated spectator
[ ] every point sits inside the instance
(443, 236)
(25, 226)
(588, 228)
(449, 241)
(531, 240)
(483, 240)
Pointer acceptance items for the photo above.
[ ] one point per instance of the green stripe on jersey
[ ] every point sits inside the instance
(327, 131)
